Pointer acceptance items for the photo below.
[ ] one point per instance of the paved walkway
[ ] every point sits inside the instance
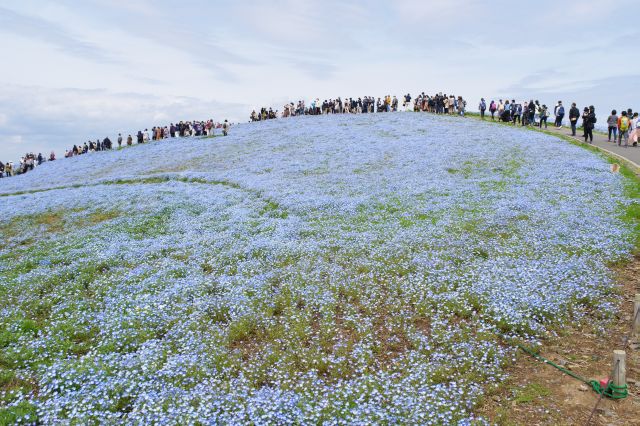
(631, 154)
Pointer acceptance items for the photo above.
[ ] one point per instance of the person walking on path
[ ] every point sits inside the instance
(544, 114)
(225, 128)
(574, 114)
(588, 123)
(612, 124)
(559, 113)
(482, 107)
(492, 109)
(623, 129)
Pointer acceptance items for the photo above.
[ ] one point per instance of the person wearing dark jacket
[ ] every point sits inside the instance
(574, 114)
(588, 123)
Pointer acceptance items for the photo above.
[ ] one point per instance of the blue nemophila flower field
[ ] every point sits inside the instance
(336, 270)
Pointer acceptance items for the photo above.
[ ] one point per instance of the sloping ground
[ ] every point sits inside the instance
(348, 269)
(536, 393)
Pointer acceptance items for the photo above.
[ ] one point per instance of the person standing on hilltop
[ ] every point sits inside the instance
(225, 128)
(544, 114)
(623, 129)
(635, 122)
(516, 112)
(492, 109)
(482, 107)
(586, 125)
(574, 114)
(462, 104)
(119, 140)
(559, 113)
(129, 140)
(532, 113)
(612, 124)
(407, 102)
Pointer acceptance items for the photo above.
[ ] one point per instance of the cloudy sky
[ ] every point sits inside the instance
(73, 70)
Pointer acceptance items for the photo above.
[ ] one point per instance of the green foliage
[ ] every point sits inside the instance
(530, 393)
(24, 411)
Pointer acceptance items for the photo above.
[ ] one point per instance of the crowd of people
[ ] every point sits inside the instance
(182, 129)
(623, 128)
(28, 162)
(438, 103)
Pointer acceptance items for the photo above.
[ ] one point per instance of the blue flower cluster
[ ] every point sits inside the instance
(335, 270)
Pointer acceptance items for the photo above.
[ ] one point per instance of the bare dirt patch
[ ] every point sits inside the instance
(538, 394)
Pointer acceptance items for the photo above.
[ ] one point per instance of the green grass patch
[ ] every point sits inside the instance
(530, 393)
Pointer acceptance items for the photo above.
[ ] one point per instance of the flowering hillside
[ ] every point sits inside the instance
(345, 269)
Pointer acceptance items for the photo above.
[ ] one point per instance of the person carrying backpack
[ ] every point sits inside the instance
(559, 112)
(623, 129)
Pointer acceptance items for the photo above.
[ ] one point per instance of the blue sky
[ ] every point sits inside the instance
(73, 71)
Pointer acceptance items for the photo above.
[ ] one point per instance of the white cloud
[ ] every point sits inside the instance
(79, 70)
(14, 140)
(433, 13)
